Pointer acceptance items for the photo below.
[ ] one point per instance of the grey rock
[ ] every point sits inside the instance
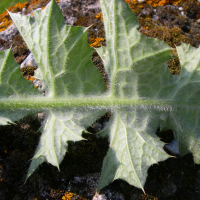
(173, 147)
(37, 83)
(99, 197)
(29, 62)
(9, 33)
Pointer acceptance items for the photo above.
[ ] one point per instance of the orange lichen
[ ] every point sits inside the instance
(39, 2)
(67, 196)
(5, 20)
(5, 150)
(162, 2)
(99, 16)
(17, 7)
(96, 42)
(5, 25)
(31, 79)
(33, 3)
(133, 4)
(137, 6)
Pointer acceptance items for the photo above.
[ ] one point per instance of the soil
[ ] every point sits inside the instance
(177, 178)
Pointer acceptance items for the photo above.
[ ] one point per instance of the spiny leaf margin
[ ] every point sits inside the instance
(152, 84)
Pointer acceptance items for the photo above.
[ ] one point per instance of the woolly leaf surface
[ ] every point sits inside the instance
(142, 94)
(137, 69)
(13, 85)
(66, 70)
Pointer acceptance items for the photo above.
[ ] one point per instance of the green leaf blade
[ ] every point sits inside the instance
(142, 94)
(134, 147)
(62, 53)
(13, 85)
(66, 69)
(129, 55)
(59, 127)
(136, 66)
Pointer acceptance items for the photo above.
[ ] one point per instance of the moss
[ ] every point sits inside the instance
(82, 21)
(174, 64)
(172, 37)
(19, 49)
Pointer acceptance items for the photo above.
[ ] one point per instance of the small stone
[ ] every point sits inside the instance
(198, 20)
(77, 179)
(182, 13)
(97, 127)
(173, 147)
(39, 116)
(99, 197)
(23, 11)
(29, 62)
(38, 84)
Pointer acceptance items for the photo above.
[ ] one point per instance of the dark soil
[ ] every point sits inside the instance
(177, 178)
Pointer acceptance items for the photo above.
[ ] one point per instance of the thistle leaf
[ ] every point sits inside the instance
(12, 86)
(142, 94)
(66, 69)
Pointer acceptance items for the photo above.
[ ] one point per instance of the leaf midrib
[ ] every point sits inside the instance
(41, 103)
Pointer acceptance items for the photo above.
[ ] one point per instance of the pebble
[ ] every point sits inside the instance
(198, 20)
(173, 147)
(155, 17)
(70, 20)
(38, 84)
(97, 127)
(9, 33)
(182, 13)
(39, 116)
(99, 197)
(29, 62)
(23, 11)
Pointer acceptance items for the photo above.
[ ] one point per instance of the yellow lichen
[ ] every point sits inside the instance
(31, 79)
(99, 16)
(5, 20)
(17, 7)
(96, 42)
(67, 196)
(162, 2)
(5, 150)
(137, 6)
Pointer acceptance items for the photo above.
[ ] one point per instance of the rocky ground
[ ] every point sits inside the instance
(175, 178)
